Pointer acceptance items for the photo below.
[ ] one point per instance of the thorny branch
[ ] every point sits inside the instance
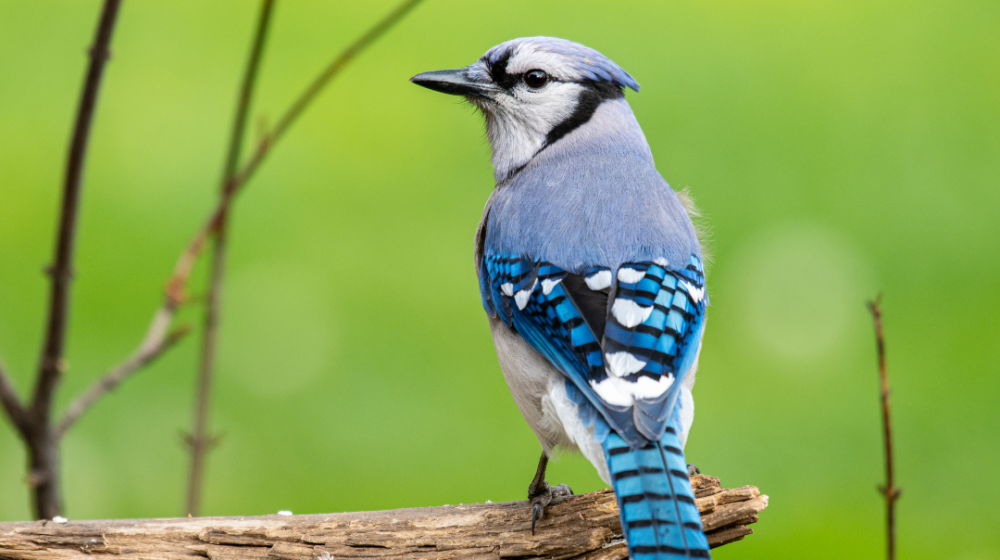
(889, 491)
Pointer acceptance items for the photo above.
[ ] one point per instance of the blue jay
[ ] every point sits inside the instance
(590, 271)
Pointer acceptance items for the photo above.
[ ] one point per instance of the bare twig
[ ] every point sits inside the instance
(199, 440)
(268, 141)
(334, 68)
(182, 271)
(37, 431)
(11, 403)
(157, 341)
(889, 491)
(233, 182)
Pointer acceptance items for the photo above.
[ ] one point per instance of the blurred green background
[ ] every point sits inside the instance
(836, 149)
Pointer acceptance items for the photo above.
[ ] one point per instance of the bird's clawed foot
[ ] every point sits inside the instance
(693, 470)
(541, 499)
(540, 493)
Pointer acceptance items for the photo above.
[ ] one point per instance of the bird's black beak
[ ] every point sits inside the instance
(453, 82)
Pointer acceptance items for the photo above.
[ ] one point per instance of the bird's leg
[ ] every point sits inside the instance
(540, 493)
(693, 470)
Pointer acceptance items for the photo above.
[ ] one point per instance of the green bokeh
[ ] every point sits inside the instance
(836, 149)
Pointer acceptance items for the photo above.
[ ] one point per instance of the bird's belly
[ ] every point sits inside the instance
(529, 376)
(539, 390)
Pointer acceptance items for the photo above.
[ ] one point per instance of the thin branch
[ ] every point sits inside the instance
(199, 440)
(11, 403)
(338, 64)
(235, 180)
(889, 491)
(38, 431)
(156, 342)
(61, 271)
(182, 271)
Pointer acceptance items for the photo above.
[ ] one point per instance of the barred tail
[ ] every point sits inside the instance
(659, 518)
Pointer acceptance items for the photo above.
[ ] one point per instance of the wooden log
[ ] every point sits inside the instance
(577, 527)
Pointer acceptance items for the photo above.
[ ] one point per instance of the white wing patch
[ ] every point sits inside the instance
(697, 294)
(647, 388)
(521, 299)
(508, 289)
(599, 280)
(630, 313)
(610, 392)
(630, 275)
(548, 284)
(621, 364)
(621, 392)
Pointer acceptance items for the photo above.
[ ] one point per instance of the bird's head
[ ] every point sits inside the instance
(533, 91)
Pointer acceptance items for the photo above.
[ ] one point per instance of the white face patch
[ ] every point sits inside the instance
(519, 121)
(527, 58)
(599, 280)
(520, 118)
(621, 364)
(630, 275)
(630, 313)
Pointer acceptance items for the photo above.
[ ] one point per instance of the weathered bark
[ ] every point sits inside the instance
(584, 527)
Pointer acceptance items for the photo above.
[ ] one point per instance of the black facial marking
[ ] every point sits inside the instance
(498, 70)
(591, 97)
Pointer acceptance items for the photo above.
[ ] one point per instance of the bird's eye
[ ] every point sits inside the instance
(536, 78)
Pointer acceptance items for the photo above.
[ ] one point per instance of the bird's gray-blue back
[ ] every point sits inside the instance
(593, 198)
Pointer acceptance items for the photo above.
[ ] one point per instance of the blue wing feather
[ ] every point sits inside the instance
(547, 319)
(528, 295)
(651, 336)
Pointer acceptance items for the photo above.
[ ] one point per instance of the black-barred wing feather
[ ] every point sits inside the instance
(628, 358)
(651, 339)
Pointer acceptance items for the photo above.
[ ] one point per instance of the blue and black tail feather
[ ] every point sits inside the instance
(658, 513)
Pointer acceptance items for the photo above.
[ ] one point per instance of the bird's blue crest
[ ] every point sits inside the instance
(583, 63)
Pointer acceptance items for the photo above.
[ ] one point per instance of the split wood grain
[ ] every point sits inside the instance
(577, 527)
